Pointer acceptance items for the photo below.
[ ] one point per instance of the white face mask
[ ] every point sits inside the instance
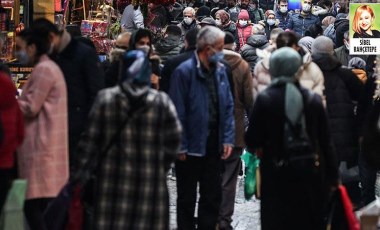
(306, 8)
(144, 48)
(215, 1)
(283, 9)
(188, 21)
(243, 22)
(271, 22)
(218, 22)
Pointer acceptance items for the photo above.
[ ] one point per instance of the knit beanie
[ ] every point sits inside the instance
(202, 12)
(243, 15)
(322, 45)
(306, 42)
(284, 62)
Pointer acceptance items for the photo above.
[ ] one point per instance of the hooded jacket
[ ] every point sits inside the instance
(248, 51)
(243, 94)
(243, 32)
(12, 122)
(340, 26)
(168, 47)
(311, 76)
(341, 88)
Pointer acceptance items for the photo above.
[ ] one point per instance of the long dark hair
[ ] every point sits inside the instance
(42, 43)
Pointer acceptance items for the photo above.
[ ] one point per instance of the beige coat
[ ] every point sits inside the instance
(311, 76)
(43, 156)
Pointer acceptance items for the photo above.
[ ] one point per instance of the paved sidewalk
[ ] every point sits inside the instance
(246, 216)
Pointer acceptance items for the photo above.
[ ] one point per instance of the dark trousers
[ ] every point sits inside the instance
(206, 171)
(6, 176)
(232, 167)
(34, 209)
(368, 180)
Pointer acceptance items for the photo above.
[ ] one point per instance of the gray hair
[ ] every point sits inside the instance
(208, 35)
(275, 32)
(258, 29)
(189, 9)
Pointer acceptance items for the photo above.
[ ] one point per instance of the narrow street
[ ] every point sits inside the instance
(246, 216)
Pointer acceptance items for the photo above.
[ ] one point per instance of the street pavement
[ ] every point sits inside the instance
(246, 216)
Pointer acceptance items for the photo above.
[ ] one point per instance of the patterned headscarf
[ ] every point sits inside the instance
(224, 16)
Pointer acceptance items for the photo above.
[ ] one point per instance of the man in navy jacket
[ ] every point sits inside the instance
(201, 93)
(300, 22)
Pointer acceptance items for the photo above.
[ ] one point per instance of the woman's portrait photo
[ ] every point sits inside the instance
(363, 23)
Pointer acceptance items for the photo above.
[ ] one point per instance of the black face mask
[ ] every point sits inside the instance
(222, 5)
(244, 6)
(230, 5)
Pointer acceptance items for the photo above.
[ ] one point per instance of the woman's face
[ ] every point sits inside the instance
(365, 20)
(25, 53)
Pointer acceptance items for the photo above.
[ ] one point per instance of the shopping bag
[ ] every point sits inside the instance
(65, 211)
(341, 214)
(251, 174)
(12, 216)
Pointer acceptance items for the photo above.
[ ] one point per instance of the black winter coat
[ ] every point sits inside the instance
(288, 203)
(342, 87)
(168, 47)
(248, 51)
(84, 78)
(171, 65)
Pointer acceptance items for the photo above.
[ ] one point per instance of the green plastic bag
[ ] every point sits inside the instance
(251, 174)
(12, 215)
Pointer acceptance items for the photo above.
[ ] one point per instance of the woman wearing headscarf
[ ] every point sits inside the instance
(270, 22)
(294, 202)
(223, 21)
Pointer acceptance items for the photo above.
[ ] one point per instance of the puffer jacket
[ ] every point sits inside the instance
(300, 24)
(248, 51)
(168, 47)
(243, 33)
(311, 76)
(283, 18)
(342, 87)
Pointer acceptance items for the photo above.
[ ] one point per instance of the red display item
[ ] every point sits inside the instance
(86, 27)
(99, 28)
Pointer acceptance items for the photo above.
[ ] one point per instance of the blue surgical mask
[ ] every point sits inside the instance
(22, 57)
(216, 57)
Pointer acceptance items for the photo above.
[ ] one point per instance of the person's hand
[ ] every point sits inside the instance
(181, 157)
(227, 150)
(261, 23)
(154, 80)
(360, 140)
(277, 22)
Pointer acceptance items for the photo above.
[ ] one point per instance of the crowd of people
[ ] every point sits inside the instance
(196, 89)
